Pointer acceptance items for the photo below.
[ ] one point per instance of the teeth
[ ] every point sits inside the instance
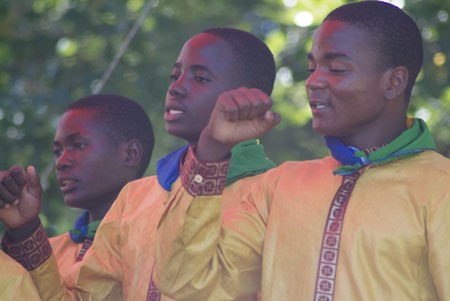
(175, 112)
(320, 106)
(66, 182)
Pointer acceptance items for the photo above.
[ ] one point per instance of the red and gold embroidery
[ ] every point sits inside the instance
(31, 252)
(203, 178)
(326, 274)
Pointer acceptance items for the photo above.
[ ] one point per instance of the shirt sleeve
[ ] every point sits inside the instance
(15, 281)
(97, 277)
(438, 237)
(202, 253)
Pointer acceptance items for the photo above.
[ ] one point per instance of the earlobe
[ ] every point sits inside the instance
(396, 81)
(133, 152)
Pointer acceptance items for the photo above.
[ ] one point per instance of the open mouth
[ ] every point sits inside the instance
(175, 112)
(67, 185)
(319, 105)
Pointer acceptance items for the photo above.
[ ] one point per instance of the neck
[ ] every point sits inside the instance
(381, 135)
(99, 211)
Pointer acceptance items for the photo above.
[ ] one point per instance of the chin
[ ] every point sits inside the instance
(320, 131)
(73, 202)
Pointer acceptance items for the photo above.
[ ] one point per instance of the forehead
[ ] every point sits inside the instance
(343, 38)
(76, 121)
(206, 50)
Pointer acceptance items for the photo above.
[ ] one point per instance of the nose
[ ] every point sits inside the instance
(316, 80)
(64, 161)
(179, 88)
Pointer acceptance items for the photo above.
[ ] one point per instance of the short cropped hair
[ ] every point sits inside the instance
(395, 35)
(122, 119)
(253, 61)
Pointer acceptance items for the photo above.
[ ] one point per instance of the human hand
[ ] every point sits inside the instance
(20, 196)
(239, 115)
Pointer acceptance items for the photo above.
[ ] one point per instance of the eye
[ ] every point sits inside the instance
(79, 145)
(56, 152)
(337, 70)
(202, 80)
(311, 67)
(174, 77)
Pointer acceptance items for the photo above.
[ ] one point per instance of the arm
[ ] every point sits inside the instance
(203, 254)
(197, 257)
(438, 237)
(97, 277)
(15, 282)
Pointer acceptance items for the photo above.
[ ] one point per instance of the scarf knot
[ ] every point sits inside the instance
(83, 229)
(413, 141)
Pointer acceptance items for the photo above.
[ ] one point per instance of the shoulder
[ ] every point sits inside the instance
(326, 164)
(428, 163)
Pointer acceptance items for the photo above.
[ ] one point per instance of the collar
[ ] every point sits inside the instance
(411, 142)
(247, 158)
(83, 229)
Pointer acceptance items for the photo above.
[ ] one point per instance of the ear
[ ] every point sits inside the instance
(395, 82)
(133, 152)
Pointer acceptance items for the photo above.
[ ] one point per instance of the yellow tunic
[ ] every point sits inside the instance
(122, 257)
(66, 252)
(394, 244)
(15, 281)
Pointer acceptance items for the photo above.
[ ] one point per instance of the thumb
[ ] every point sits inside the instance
(34, 182)
(269, 120)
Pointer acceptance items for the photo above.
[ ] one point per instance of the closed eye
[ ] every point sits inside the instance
(202, 80)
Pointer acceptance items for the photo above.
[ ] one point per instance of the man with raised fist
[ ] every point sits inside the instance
(372, 222)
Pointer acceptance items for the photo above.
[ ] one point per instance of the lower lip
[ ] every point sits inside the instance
(68, 188)
(316, 110)
(171, 117)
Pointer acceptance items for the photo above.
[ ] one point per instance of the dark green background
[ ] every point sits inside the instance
(53, 51)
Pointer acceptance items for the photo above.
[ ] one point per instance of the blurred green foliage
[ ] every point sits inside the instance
(53, 52)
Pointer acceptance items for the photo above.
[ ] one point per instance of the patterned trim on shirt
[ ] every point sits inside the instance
(31, 252)
(87, 243)
(203, 178)
(329, 252)
(153, 293)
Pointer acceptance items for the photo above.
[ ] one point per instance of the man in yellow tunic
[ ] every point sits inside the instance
(101, 143)
(120, 262)
(15, 281)
(372, 222)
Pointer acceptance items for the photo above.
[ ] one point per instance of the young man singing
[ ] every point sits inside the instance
(372, 222)
(120, 263)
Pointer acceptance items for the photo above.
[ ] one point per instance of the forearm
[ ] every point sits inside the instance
(196, 257)
(34, 253)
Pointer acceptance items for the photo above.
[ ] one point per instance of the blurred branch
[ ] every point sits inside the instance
(98, 87)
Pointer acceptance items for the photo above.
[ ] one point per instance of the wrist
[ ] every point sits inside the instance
(210, 149)
(22, 232)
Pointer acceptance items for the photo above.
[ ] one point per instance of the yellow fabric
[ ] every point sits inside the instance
(122, 256)
(15, 281)
(66, 252)
(395, 241)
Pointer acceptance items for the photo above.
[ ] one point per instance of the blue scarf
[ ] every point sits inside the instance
(248, 158)
(84, 229)
(411, 142)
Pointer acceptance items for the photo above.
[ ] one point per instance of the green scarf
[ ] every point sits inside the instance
(84, 229)
(411, 142)
(247, 159)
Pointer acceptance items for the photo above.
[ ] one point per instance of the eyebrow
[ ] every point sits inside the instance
(331, 56)
(70, 138)
(194, 67)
